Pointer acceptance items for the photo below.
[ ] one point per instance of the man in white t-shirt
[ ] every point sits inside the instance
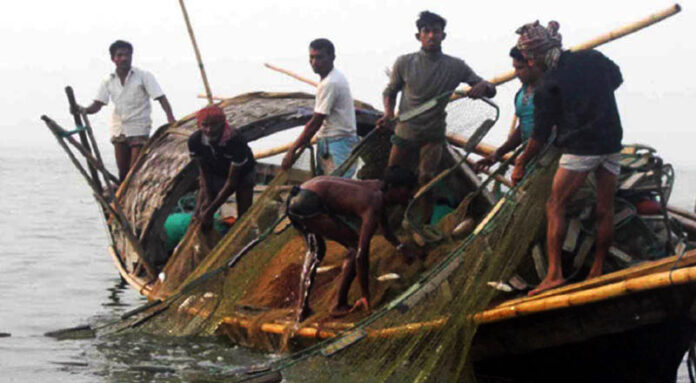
(130, 89)
(333, 120)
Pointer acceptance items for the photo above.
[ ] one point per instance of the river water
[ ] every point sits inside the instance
(55, 273)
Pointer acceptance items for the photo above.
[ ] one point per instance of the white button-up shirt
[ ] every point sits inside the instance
(131, 100)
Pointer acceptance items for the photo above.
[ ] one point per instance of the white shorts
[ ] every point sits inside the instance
(578, 163)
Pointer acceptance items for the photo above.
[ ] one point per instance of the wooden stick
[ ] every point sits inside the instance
(216, 98)
(682, 212)
(292, 74)
(264, 153)
(198, 53)
(593, 43)
(83, 137)
(112, 208)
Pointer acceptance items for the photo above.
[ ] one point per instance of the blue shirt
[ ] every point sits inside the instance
(524, 110)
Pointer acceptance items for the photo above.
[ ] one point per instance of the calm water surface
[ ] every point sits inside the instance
(55, 273)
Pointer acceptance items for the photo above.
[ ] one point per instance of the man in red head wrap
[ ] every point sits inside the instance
(225, 164)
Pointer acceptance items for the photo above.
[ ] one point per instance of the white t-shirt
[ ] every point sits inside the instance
(131, 100)
(335, 101)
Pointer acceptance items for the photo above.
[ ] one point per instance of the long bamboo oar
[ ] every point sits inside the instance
(198, 53)
(595, 42)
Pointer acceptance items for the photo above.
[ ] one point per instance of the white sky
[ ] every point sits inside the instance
(50, 44)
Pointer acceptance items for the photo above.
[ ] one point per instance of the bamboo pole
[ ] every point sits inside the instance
(291, 74)
(264, 153)
(682, 212)
(595, 42)
(584, 297)
(198, 53)
(688, 259)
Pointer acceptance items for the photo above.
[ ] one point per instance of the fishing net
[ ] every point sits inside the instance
(423, 325)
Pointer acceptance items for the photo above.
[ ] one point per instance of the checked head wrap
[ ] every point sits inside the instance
(537, 41)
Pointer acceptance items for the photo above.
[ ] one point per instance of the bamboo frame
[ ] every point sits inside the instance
(113, 208)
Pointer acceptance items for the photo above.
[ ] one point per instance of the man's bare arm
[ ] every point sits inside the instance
(533, 148)
(369, 225)
(164, 102)
(94, 107)
(513, 141)
(310, 129)
(230, 186)
(389, 108)
(204, 197)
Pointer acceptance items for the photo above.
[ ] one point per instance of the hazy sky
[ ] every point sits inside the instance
(50, 44)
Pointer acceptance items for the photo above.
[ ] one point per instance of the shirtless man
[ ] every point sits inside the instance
(130, 89)
(321, 207)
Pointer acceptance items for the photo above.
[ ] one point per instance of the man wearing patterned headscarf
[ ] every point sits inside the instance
(225, 164)
(576, 96)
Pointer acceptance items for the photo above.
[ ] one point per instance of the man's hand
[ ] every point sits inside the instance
(517, 172)
(479, 90)
(206, 219)
(386, 121)
(288, 160)
(486, 162)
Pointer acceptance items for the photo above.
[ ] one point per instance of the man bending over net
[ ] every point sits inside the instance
(323, 206)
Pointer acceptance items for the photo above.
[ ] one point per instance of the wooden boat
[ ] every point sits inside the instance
(630, 325)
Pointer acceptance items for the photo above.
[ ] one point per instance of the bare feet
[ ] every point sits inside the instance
(340, 311)
(595, 271)
(546, 284)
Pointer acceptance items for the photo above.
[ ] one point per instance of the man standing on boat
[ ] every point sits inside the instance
(420, 77)
(576, 95)
(225, 165)
(348, 212)
(529, 76)
(333, 121)
(130, 89)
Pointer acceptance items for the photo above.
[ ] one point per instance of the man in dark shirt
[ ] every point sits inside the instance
(225, 165)
(576, 95)
(327, 207)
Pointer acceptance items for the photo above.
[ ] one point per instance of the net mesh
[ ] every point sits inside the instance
(423, 324)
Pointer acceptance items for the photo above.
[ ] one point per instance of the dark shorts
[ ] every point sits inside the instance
(425, 156)
(130, 141)
(304, 204)
(216, 183)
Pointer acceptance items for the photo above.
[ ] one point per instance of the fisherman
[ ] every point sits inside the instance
(225, 165)
(333, 121)
(575, 94)
(130, 89)
(529, 76)
(325, 206)
(421, 76)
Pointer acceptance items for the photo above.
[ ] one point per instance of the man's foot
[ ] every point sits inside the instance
(595, 271)
(546, 284)
(340, 311)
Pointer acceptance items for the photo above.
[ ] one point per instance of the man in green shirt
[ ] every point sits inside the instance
(421, 76)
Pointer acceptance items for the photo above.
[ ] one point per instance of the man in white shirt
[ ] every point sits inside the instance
(130, 89)
(333, 120)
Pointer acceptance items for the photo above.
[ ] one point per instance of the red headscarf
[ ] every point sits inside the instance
(211, 115)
